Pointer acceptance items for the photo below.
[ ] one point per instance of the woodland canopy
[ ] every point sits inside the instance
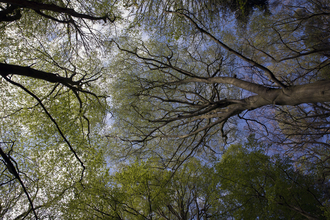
(184, 109)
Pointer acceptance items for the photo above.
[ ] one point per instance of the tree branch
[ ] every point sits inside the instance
(53, 120)
(8, 69)
(12, 170)
(252, 87)
(55, 8)
(203, 31)
(11, 13)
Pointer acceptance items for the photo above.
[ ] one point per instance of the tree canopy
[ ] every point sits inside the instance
(164, 109)
(244, 184)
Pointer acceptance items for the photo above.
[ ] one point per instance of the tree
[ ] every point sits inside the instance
(144, 190)
(174, 95)
(245, 183)
(50, 95)
(49, 101)
(256, 185)
(183, 94)
(146, 10)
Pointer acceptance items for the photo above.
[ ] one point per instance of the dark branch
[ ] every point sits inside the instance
(9, 69)
(11, 13)
(11, 168)
(55, 8)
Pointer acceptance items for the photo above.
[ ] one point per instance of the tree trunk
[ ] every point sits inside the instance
(293, 95)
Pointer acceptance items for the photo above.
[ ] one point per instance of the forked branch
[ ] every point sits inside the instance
(226, 47)
(11, 168)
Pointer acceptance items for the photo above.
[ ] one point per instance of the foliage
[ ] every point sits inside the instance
(155, 11)
(53, 105)
(244, 183)
(186, 95)
(130, 109)
(150, 111)
(259, 186)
